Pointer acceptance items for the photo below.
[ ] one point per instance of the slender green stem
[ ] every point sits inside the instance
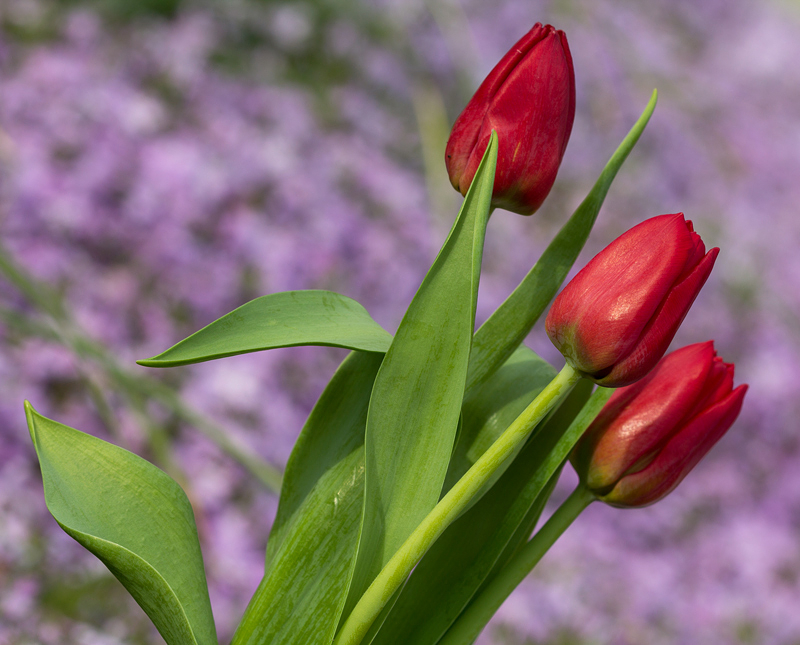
(38, 293)
(449, 508)
(474, 618)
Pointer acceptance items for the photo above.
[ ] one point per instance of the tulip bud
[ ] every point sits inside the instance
(529, 99)
(652, 433)
(615, 319)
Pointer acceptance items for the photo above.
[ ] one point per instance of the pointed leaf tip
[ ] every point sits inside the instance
(133, 517)
(286, 319)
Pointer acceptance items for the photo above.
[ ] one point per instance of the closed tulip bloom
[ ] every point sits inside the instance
(529, 100)
(615, 319)
(652, 433)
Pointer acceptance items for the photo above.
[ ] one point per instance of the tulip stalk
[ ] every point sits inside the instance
(470, 624)
(450, 507)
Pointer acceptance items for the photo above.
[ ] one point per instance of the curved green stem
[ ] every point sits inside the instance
(474, 618)
(449, 508)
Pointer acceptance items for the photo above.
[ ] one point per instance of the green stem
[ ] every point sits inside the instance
(38, 293)
(474, 618)
(449, 508)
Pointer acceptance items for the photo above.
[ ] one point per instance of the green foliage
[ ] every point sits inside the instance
(416, 400)
(513, 561)
(284, 319)
(491, 407)
(464, 556)
(554, 430)
(312, 546)
(133, 517)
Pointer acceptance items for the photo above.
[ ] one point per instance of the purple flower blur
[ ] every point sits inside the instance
(129, 166)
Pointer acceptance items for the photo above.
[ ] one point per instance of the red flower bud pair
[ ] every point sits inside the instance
(529, 100)
(652, 433)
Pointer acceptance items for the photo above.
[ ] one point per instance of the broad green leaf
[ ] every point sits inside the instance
(507, 327)
(333, 430)
(312, 545)
(416, 400)
(133, 517)
(283, 319)
(464, 556)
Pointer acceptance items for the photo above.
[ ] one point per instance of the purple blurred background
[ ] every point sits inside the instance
(164, 161)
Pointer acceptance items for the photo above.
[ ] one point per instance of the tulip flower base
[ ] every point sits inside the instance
(409, 504)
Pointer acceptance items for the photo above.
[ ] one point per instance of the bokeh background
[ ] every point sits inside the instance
(164, 161)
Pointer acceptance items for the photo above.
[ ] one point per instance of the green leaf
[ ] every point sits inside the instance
(312, 545)
(416, 400)
(508, 326)
(132, 516)
(283, 319)
(466, 554)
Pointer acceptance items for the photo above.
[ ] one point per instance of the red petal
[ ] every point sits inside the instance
(660, 329)
(464, 138)
(532, 113)
(718, 385)
(679, 456)
(639, 430)
(698, 253)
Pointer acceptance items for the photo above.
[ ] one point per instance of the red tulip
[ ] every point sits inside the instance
(616, 318)
(652, 433)
(529, 99)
